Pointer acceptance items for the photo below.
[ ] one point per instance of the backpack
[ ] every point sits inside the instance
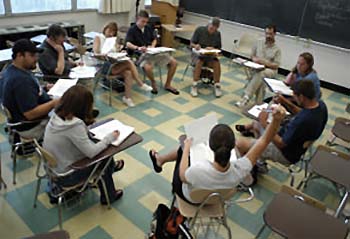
(168, 224)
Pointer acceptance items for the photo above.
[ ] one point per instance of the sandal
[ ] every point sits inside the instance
(241, 128)
(119, 165)
(152, 155)
(173, 91)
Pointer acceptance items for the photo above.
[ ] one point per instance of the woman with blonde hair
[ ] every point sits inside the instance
(125, 68)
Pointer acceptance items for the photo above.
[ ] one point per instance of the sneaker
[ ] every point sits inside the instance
(128, 101)
(146, 87)
(217, 90)
(244, 102)
(194, 90)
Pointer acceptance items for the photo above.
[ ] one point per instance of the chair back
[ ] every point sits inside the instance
(216, 196)
(307, 199)
(47, 157)
(245, 44)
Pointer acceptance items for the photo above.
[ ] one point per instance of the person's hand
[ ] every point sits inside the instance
(209, 48)
(48, 86)
(197, 47)
(55, 101)
(116, 134)
(59, 48)
(142, 49)
(279, 113)
(188, 143)
(278, 99)
(263, 117)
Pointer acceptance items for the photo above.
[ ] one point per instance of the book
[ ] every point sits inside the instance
(118, 56)
(61, 86)
(253, 65)
(101, 131)
(203, 51)
(108, 45)
(278, 86)
(82, 72)
(158, 50)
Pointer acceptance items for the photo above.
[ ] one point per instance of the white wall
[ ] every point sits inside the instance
(331, 63)
(92, 20)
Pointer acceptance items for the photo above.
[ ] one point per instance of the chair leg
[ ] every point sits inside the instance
(15, 164)
(183, 75)
(37, 192)
(260, 231)
(106, 193)
(59, 205)
(160, 75)
(227, 227)
(110, 91)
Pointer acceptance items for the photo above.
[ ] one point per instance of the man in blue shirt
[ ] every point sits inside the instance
(307, 125)
(21, 92)
(140, 37)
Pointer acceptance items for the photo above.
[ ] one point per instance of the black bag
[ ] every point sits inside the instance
(168, 224)
(117, 84)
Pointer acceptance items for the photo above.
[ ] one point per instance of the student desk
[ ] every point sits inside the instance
(169, 31)
(334, 166)
(293, 218)
(132, 140)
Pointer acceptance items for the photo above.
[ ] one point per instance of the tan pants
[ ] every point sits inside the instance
(256, 85)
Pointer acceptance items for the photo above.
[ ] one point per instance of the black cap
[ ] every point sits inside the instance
(24, 45)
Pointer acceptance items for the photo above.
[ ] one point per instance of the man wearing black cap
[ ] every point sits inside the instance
(21, 92)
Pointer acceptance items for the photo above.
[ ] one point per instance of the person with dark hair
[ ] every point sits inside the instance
(67, 129)
(140, 37)
(126, 68)
(266, 53)
(54, 60)
(224, 172)
(207, 37)
(21, 92)
(287, 145)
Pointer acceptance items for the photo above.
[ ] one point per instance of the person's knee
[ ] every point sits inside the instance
(148, 67)
(173, 63)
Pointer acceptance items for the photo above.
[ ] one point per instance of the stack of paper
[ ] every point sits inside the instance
(239, 60)
(253, 65)
(5, 55)
(206, 51)
(157, 50)
(61, 86)
(82, 72)
(108, 45)
(101, 131)
(278, 86)
(119, 56)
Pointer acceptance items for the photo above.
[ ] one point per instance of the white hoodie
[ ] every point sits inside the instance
(68, 141)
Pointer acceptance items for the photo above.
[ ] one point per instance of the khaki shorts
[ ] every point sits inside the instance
(161, 59)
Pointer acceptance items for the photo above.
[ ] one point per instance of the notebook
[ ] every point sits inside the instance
(82, 72)
(278, 86)
(206, 51)
(61, 86)
(256, 109)
(253, 65)
(101, 131)
(157, 50)
(118, 56)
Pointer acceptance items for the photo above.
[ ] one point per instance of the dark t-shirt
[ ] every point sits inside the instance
(139, 38)
(48, 61)
(202, 37)
(307, 125)
(21, 92)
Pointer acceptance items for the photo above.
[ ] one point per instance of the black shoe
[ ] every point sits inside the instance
(117, 195)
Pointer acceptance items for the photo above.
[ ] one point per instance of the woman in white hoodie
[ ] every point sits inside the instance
(66, 138)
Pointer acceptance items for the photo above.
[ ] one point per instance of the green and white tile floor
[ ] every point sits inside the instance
(159, 119)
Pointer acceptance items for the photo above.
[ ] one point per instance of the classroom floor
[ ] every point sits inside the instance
(159, 119)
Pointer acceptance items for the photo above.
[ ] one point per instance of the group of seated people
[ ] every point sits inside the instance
(24, 97)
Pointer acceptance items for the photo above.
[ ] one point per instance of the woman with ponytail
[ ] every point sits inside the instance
(221, 173)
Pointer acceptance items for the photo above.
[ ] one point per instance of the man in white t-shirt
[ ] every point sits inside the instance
(222, 172)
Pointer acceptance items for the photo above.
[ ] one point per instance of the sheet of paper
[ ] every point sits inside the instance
(157, 50)
(108, 45)
(101, 131)
(199, 129)
(278, 86)
(202, 151)
(5, 55)
(239, 60)
(91, 35)
(206, 51)
(256, 109)
(61, 86)
(253, 65)
(82, 72)
(38, 39)
(117, 55)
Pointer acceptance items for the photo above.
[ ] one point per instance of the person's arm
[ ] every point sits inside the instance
(195, 40)
(97, 45)
(184, 159)
(40, 111)
(154, 43)
(276, 61)
(256, 150)
(292, 108)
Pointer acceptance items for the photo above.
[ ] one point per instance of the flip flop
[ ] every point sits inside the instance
(240, 127)
(173, 91)
(154, 91)
(152, 155)
(119, 165)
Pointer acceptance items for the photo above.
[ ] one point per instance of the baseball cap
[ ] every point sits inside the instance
(25, 45)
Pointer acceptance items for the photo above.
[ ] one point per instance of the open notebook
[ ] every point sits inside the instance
(278, 86)
(158, 50)
(101, 131)
(61, 86)
(256, 109)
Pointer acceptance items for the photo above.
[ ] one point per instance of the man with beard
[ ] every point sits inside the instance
(266, 53)
(21, 92)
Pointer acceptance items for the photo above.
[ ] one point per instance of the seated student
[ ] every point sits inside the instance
(222, 173)
(54, 60)
(266, 53)
(207, 37)
(67, 129)
(21, 92)
(287, 145)
(126, 69)
(138, 38)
